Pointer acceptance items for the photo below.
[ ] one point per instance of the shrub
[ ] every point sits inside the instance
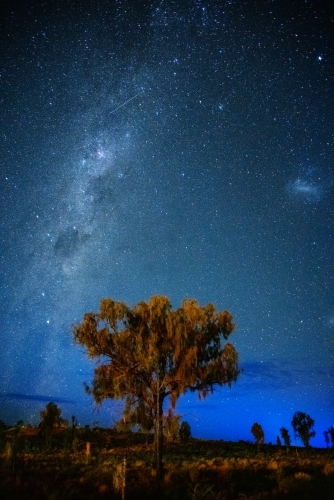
(329, 469)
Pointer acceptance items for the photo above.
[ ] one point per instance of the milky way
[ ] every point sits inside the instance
(175, 148)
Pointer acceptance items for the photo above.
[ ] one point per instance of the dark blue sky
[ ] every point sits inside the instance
(179, 148)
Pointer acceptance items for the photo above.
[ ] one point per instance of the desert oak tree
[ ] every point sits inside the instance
(286, 437)
(149, 352)
(258, 434)
(302, 425)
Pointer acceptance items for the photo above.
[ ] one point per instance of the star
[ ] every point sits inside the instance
(178, 158)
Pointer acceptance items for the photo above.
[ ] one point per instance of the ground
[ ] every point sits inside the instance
(64, 467)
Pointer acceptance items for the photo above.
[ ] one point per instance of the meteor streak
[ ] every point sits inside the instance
(124, 103)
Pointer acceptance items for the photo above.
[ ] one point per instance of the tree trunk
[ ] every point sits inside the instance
(159, 438)
(158, 431)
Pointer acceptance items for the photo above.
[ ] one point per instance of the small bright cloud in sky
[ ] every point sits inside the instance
(305, 190)
(310, 186)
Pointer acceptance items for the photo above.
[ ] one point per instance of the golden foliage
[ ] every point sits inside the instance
(151, 349)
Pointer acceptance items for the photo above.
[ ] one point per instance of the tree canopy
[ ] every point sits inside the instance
(149, 352)
(302, 424)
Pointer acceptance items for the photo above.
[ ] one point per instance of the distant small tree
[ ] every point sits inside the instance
(286, 437)
(50, 419)
(258, 434)
(278, 441)
(3, 428)
(74, 437)
(184, 432)
(329, 436)
(75, 424)
(302, 425)
(326, 436)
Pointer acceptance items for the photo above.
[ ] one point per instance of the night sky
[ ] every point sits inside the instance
(180, 148)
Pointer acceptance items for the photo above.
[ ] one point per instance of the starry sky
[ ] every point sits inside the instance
(179, 148)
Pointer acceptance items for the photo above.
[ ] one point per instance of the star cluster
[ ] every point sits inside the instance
(169, 147)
